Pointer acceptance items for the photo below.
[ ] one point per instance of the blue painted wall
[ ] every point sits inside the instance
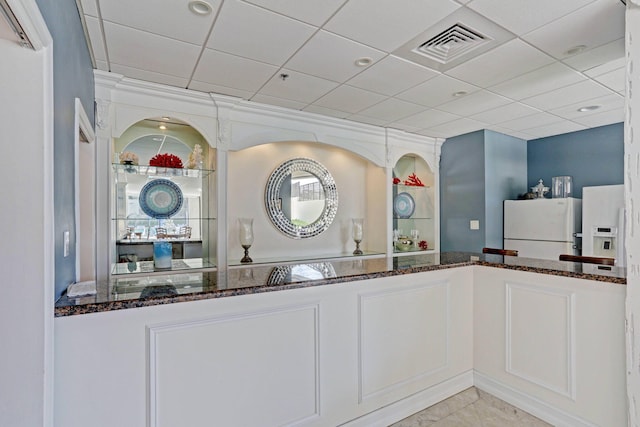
(505, 159)
(462, 192)
(72, 78)
(593, 157)
(477, 172)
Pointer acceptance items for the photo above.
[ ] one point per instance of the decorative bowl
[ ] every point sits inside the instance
(404, 243)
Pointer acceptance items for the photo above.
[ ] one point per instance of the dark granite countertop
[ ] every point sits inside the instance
(144, 291)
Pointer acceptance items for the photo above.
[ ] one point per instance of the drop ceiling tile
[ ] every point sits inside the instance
(606, 67)
(173, 19)
(567, 95)
(474, 103)
(253, 32)
(433, 134)
(297, 87)
(545, 79)
(222, 69)
(532, 121)
(601, 119)
(436, 91)
(149, 76)
(367, 120)
(456, 127)
(387, 25)
(311, 11)
(594, 25)
(522, 17)
(555, 129)
(392, 109)
(149, 51)
(326, 111)
(272, 100)
(428, 118)
(222, 90)
(500, 64)
(392, 75)
(89, 7)
(504, 113)
(595, 57)
(614, 80)
(331, 57)
(606, 103)
(96, 41)
(349, 99)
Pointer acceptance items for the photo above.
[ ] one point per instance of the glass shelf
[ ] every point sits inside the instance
(307, 258)
(160, 171)
(147, 267)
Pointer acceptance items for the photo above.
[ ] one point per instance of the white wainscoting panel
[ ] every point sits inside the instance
(258, 368)
(404, 336)
(541, 349)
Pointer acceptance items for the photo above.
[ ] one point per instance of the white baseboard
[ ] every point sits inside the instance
(535, 407)
(415, 403)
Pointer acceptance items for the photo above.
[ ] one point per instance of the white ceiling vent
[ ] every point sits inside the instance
(455, 39)
(451, 43)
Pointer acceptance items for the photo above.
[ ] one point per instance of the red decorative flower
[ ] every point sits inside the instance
(166, 160)
(396, 180)
(422, 244)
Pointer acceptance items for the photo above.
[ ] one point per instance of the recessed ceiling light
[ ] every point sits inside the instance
(588, 108)
(576, 49)
(166, 118)
(363, 62)
(459, 93)
(162, 127)
(200, 7)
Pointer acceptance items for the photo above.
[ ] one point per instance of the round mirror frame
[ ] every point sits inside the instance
(273, 202)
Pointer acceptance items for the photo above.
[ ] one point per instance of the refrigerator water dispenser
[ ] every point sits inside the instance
(605, 241)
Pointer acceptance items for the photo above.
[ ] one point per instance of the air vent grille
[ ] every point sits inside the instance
(452, 43)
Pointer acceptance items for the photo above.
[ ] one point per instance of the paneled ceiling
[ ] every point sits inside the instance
(524, 68)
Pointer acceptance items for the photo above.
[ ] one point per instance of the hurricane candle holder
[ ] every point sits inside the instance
(357, 233)
(246, 237)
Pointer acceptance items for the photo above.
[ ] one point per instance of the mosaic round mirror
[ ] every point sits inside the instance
(301, 198)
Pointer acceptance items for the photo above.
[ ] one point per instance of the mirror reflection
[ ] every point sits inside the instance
(301, 198)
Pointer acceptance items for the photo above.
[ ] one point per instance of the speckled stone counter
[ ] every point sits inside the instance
(144, 291)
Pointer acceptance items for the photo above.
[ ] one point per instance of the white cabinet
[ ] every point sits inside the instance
(316, 356)
(551, 345)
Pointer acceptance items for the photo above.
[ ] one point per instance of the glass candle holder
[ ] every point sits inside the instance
(246, 237)
(356, 232)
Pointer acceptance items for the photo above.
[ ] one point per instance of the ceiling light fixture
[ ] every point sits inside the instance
(200, 7)
(166, 118)
(459, 93)
(588, 108)
(363, 62)
(576, 49)
(162, 127)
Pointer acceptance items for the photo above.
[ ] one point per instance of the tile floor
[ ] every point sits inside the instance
(471, 408)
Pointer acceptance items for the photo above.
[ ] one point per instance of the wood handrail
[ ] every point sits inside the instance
(509, 252)
(587, 259)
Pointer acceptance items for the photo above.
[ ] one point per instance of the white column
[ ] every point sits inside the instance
(632, 189)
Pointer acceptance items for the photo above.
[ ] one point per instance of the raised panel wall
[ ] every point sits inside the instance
(404, 337)
(213, 369)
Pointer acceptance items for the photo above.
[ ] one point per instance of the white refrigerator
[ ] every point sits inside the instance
(542, 228)
(603, 222)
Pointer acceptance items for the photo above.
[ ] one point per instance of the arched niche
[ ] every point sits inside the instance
(140, 218)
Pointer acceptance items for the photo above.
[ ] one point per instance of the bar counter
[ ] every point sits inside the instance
(143, 291)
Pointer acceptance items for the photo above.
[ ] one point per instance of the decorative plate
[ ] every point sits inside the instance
(160, 198)
(403, 205)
